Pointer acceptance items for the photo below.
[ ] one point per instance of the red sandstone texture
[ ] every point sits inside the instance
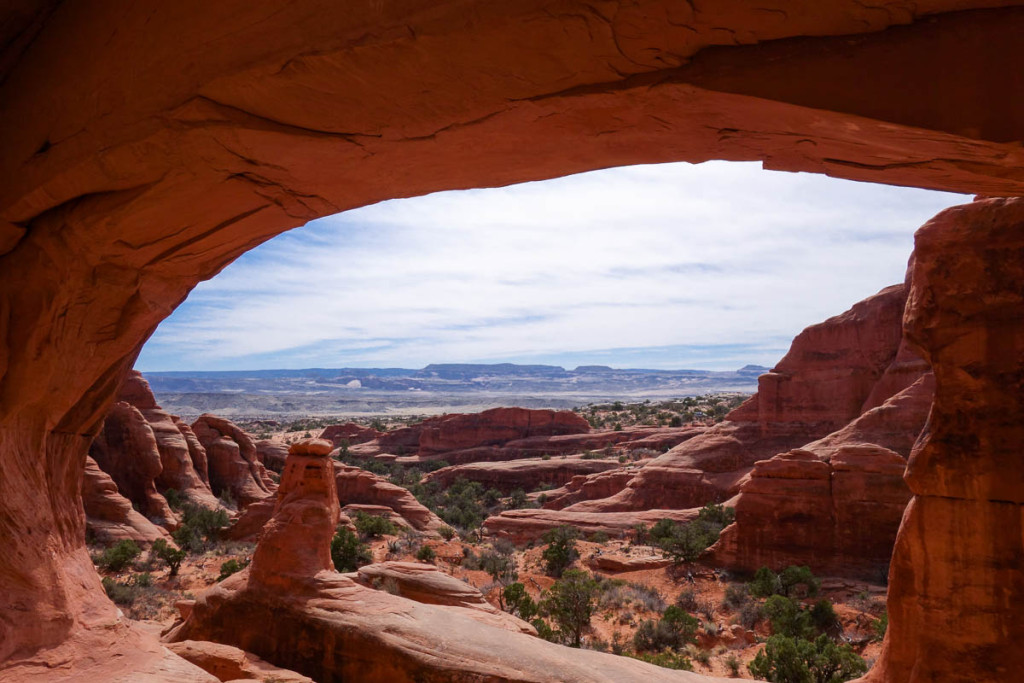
(119, 194)
(494, 427)
(526, 474)
(231, 664)
(356, 487)
(957, 563)
(834, 504)
(109, 516)
(272, 454)
(290, 608)
(232, 461)
(127, 450)
(349, 432)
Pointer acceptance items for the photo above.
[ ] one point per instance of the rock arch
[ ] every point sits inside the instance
(147, 146)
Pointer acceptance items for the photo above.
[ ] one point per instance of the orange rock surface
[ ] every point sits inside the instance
(232, 461)
(120, 193)
(109, 516)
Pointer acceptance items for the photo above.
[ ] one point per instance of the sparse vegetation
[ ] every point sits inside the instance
(684, 542)
(231, 567)
(199, 527)
(348, 553)
(793, 660)
(119, 556)
(570, 604)
(374, 526)
(169, 554)
(561, 551)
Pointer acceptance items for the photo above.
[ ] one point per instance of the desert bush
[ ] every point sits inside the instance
(787, 617)
(374, 526)
(175, 499)
(348, 553)
(169, 554)
(792, 660)
(199, 527)
(799, 581)
(447, 533)
(426, 554)
(675, 629)
(518, 602)
(880, 626)
(685, 542)
(117, 557)
(570, 604)
(121, 593)
(736, 596)
(688, 599)
(766, 583)
(561, 551)
(749, 615)
(599, 537)
(230, 567)
(823, 616)
(733, 664)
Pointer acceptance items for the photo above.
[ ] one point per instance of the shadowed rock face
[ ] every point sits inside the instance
(120, 194)
(109, 516)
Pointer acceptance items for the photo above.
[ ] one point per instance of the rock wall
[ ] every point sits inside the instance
(956, 570)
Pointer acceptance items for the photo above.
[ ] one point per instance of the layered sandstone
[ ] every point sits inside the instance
(126, 449)
(232, 461)
(231, 664)
(357, 487)
(427, 584)
(109, 516)
(526, 474)
(350, 433)
(834, 504)
(290, 608)
(956, 567)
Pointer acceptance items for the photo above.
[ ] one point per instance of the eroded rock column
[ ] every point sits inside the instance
(957, 578)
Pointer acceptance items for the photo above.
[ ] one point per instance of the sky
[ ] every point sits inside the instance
(672, 266)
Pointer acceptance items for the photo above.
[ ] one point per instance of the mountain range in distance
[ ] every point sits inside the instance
(442, 386)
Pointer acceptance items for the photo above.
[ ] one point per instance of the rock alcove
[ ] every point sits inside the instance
(146, 147)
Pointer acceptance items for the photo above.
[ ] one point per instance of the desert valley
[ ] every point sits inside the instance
(692, 533)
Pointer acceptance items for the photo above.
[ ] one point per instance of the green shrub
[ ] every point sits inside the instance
(120, 593)
(787, 617)
(790, 660)
(570, 604)
(561, 551)
(599, 537)
(426, 554)
(518, 602)
(765, 583)
(230, 567)
(447, 533)
(880, 626)
(685, 542)
(793, 578)
(348, 553)
(374, 526)
(169, 554)
(823, 616)
(199, 527)
(675, 629)
(175, 499)
(117, 557)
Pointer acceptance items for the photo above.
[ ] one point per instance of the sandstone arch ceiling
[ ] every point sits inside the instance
(147, 145)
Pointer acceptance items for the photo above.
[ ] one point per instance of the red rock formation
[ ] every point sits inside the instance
(290, 608)
(359, 487)
(425, 583)
(196, 452)
(526, 474)
(126, 449)
(178, 455)
(836, 503)
(349, 432)
(109, 516)
(523, 526)
(231, 664)
(493, 427)
(822, 383)
(119, 194)
(592, 487)
(231, 459)
(272, 454)
(956, 574)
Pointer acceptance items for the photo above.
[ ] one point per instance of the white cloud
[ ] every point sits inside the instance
(650, 256)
